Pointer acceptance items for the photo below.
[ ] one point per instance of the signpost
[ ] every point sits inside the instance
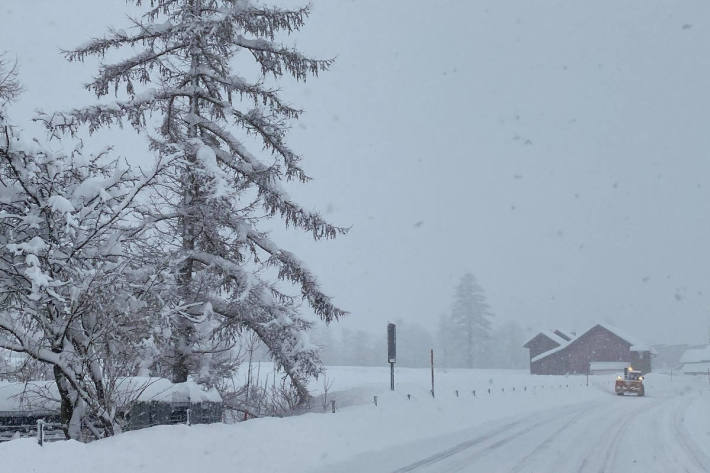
(431, 352)
(391, 350)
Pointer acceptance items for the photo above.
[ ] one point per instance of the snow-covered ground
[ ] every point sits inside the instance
(561, 427)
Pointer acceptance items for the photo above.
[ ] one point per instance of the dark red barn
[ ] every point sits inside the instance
(602, 346)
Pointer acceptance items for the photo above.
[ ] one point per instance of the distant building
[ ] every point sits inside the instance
(600, 349)
(668, 356)
(696, 361)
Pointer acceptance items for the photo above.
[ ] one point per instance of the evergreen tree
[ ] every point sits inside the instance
(216, 191)
(470, 321)
(506, 347)
(444, 340)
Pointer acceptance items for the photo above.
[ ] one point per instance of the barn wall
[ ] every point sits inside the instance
(557, 363)
(540, 344)
(598, 344)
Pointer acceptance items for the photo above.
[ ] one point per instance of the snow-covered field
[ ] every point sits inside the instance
(563, 427)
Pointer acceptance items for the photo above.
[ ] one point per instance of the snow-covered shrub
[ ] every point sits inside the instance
(70, 295)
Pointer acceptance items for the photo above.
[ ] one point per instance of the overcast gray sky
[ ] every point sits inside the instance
(556, 149)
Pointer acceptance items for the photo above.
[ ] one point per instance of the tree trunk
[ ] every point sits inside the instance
(184, 336)
(66, 406)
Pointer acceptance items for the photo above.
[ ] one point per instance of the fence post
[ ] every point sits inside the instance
(332, 406)
(40, 432)
(189, 415)
(375, 400)
(431, 352)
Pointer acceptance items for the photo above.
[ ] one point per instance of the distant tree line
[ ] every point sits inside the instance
(465, 338)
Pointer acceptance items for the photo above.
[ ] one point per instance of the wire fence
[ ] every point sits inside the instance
(488, 392)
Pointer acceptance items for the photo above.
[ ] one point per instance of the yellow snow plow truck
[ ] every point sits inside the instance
(631, 382)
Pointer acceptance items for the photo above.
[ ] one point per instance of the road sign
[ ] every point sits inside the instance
(391, 343)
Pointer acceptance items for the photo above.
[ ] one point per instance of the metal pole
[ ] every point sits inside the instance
(391, 376)
(431, 353)
(40, 432)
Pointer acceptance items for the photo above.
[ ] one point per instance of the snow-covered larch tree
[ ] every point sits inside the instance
(180, 66)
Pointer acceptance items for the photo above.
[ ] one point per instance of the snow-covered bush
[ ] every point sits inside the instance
(70, 295)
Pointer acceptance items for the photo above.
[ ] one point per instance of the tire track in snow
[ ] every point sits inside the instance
(699, 458)
(662, 417)
(610, 438)
(443, 455)
(545, 444)
(483, 439)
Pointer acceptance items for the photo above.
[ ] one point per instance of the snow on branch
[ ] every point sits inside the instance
(276, 59)
(292, 269)
(266, 21)
(117, 39)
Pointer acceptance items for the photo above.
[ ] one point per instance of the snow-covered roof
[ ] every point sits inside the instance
(608, 365)
(138, 388)
(601, 365)
(636, 344)
(30, 396)
(567, 333)
(43, 395)
(696, 368)
(696, 355)
(551, 335)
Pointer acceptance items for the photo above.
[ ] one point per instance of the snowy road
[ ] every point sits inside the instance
(613, 434)
(549, 427)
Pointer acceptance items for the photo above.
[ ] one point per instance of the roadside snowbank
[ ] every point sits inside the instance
(303, 443)
(312, 441)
